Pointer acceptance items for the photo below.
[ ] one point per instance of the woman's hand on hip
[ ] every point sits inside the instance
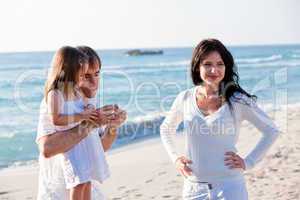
(181, 164)
(232, 160)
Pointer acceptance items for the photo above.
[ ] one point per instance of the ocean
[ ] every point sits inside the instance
(144, 86)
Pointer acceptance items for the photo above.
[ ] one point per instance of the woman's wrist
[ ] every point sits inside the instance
(86, 127)
(82, 116)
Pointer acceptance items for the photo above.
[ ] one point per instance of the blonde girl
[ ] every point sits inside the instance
(67, 107)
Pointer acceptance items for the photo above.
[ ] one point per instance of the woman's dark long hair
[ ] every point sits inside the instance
(230, 83)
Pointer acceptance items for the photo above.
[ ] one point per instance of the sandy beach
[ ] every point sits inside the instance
(144, 171)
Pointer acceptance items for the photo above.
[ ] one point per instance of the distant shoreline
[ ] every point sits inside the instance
(159, 47)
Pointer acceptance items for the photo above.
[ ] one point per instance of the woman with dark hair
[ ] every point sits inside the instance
(212, 113)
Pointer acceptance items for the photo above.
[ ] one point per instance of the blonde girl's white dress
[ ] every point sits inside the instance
(207, 138)
(84, 162)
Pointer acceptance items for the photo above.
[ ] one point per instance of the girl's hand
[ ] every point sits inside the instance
(118, 118)
(106, 114)
(89, 114)
(232, 160)
(181, 165)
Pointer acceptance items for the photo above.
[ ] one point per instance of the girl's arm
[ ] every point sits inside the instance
(55, 108)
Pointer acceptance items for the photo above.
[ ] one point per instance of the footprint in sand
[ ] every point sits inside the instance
(161, 173)
(138, 195)
(121, 187)
(132, 190)
(172, 182)
(2, 193)
(148, 181)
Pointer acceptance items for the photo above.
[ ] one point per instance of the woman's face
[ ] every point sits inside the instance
(212, 69)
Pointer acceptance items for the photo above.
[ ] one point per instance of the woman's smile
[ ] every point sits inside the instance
(212, 76)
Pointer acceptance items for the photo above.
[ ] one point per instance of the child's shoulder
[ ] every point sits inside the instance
(55, 94)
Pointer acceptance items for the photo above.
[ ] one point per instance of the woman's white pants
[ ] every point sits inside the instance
(226, 189)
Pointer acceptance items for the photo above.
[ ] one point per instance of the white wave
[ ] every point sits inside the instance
(272, 64)
(277, 107)
(150, 70)
(295, 55)
(112, 66)
(27, 163)
(162, 64)
(149, 117)
(159, 64)
(7, 135)
(20, 165)
(259, 59)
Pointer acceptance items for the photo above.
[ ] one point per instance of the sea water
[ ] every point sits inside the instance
(144, 86)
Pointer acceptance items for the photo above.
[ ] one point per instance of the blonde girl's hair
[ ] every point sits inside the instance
(66, 64)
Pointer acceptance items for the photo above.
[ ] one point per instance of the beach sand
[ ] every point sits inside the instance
(144, 171)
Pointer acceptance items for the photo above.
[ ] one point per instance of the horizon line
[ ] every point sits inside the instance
(155, 47)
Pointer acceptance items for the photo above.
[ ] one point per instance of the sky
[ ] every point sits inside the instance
(33, 25)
